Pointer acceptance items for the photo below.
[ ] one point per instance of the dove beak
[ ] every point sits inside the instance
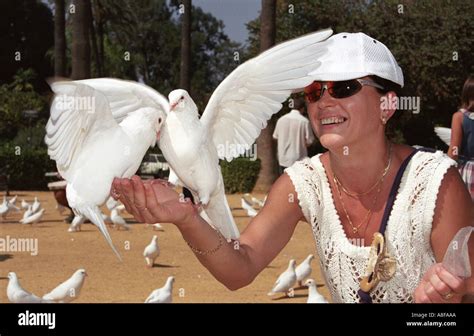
(173, 106)
(158, 135)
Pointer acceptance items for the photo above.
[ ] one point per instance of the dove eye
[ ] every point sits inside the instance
(159, 120)
(182, 98)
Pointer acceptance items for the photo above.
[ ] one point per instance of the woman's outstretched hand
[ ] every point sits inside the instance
(440, 286)
(153, 201)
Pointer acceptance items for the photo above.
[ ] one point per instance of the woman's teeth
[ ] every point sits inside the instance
(332, 120)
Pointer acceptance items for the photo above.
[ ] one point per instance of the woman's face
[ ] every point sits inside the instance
(361, 115)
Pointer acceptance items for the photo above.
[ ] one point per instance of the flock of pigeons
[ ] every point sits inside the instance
(33, 212)
(70, 289)
(296, 275)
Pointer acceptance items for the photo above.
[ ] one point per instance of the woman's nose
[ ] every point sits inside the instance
(325, 100)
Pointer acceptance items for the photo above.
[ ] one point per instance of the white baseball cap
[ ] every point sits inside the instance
(355, 55)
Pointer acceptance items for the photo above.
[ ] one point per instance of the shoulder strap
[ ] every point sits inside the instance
(394, 191)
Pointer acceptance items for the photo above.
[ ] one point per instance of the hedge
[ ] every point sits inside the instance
(240, 175)
(25, 167)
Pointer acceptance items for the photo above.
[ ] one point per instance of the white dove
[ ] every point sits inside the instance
(28, 212)
(118, 220)
(69, 290)
(286, 280)
(93, 144)
(236, 113)
(16, 294)
(152, 251)
(163, 294)
(36, 205)
(251, 212)
(304, 269)
(76, 223)
(34, 218)
(313, 295)
(4, 208)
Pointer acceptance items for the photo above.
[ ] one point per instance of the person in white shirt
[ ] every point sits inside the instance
(293, 133)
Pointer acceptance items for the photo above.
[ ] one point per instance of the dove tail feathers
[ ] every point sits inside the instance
(95, 216)
(221, 217)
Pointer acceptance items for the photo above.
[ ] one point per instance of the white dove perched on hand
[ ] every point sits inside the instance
(69, 290)
(236, 113)
(93, 144)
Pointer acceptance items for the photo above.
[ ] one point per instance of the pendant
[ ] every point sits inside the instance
(381, 266)
(354, 230)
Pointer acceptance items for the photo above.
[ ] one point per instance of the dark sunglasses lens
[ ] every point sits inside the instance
(345, 89)
(313, 92)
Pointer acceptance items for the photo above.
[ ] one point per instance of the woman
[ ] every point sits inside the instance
(462, 136)
(342, 193)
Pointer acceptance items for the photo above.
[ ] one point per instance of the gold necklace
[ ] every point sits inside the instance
(355, 229)
(353, 194)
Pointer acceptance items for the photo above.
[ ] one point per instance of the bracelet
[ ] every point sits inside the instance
(208, 252)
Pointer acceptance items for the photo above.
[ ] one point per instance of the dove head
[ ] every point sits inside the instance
(309, 282)
(292, 264)
(181, 101)
(149, 119)
(310, 257)
(170, 280)
(12, 276)
(155, 238)
(80, 273)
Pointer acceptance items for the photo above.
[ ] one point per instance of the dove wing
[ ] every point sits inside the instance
(444, 134)
(72, 122)
(244, 101)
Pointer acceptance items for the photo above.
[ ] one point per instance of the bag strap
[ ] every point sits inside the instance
(365, 296)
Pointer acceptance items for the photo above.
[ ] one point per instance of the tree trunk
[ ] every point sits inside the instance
(95, 49)
(185, 73)
(81, 58)
(59, 39)
(266, 150)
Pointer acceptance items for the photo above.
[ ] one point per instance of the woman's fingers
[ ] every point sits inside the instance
(457, 285)
(141, 203)
(128, 196)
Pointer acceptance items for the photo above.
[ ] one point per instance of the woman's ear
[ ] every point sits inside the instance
(388, 106)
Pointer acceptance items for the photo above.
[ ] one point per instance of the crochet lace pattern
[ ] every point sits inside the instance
(407, 236)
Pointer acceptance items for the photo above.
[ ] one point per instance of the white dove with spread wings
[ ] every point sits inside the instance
(236, 113)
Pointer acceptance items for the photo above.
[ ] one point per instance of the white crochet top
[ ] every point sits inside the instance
(407, 235)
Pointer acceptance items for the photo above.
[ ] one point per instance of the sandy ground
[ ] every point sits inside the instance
(60, 253)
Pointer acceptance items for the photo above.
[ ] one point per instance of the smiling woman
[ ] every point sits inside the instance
(402, 205)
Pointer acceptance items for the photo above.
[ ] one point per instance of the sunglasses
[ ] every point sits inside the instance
(337, 89)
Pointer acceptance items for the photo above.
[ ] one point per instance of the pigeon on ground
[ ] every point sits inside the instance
(100, 129)
(152, 251)
(163, 294)
(119, 222)
(304, 270)
(313, 295)
(76, 223)
(69, 290)
(285, 281)
(251, 212)
(16, 294)
(34, 218)
(235, 115)
(36, 205)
